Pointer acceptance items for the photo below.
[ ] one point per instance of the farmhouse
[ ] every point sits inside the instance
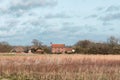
(69, 50)
(18, 49)
(61, 48)
(33, 49)
(37, 50)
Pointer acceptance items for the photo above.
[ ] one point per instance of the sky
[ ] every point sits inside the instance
(58, 21)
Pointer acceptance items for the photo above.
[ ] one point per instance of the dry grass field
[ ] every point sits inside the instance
(60, 67)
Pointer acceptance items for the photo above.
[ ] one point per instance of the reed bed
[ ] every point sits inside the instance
(60, 67)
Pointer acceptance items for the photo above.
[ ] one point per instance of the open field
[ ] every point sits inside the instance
(60, 67)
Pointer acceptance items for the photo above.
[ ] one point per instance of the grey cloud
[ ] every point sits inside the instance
(68, 23)
(91, 16)
(11, 28)
(20, 6)
(79, 28)
(108, 14)
(110, 17)
(36, 22)
(4, 28)
(27, 4)
(57, 15)
(111, 29)
(4, 32)
(100, 8)
(89, 28)
(22, 26)
(107, 23)
(8, 24)
(112, 8)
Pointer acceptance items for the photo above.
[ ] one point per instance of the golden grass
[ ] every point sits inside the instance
(60, 67)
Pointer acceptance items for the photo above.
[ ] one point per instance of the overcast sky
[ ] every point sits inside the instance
(58, 21)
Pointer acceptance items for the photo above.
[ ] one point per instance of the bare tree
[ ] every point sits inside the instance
(5, 47)
(36, 43)
(84, 43)
(113, 41)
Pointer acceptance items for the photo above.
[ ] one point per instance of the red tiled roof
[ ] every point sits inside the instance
(58, 45)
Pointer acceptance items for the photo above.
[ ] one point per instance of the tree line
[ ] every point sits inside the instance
(111, 46)
(5, 47)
